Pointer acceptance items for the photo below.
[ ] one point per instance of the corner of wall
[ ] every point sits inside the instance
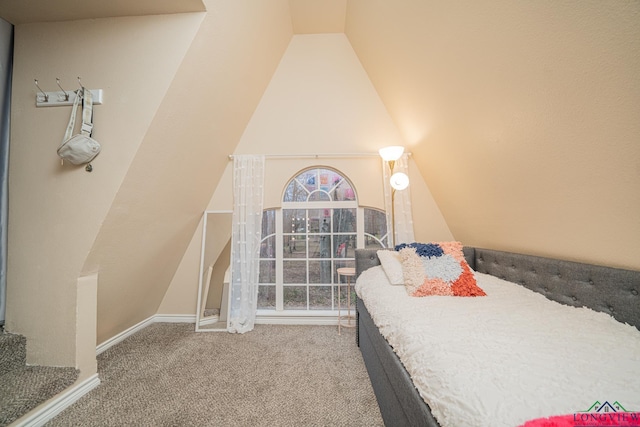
(86, 321)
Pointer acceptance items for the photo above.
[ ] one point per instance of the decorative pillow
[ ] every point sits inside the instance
(437, 269)
(392, 266)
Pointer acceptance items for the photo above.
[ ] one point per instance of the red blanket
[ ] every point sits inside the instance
(588, 419)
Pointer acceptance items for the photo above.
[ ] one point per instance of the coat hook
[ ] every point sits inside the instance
(80, 83)
(46, 97)
(66, 95)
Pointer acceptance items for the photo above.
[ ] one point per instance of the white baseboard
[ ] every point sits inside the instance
(264, 318)
(124, 334)
(174, 318)
(290, 320)
(46, 412)
(39, 416)
(157, 318)
(210, 320)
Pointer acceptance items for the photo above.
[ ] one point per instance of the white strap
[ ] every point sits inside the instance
(87, 113)
(72, 120)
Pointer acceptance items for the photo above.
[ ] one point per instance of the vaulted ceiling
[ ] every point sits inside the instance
(308, 16)
(534, 103)
(30, 11)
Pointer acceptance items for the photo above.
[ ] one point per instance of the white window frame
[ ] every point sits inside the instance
(310, 316)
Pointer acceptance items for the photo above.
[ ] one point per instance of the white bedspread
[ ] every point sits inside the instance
(506, 358)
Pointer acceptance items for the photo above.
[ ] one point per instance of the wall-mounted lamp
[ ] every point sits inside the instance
(398, 180)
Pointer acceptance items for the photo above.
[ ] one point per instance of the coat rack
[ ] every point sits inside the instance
(63, 97)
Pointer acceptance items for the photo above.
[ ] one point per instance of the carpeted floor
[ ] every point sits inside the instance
(168, 375)
(23, 387)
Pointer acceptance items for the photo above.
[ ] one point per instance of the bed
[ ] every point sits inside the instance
(612, 298)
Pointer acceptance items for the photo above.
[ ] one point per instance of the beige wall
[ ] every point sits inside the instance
(179, 90)
(86, 302)
(522, 117)
(319, 101)
(154, 215)
(156, 212)
(56, 211)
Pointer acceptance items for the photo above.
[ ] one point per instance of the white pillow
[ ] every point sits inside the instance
(392, 266)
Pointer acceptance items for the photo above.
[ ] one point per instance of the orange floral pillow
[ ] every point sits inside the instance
(437, 269)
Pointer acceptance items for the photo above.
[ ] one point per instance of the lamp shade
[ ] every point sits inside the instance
(399, 181)
(391, 153)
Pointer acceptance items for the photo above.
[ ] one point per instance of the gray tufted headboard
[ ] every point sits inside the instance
(610, 290)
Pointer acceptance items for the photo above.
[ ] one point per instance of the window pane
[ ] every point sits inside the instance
(267, 272)
(344, 220)
(344, 245)
(371, 242)
(268, 222)
(375, 223)
(320, 297)
(320, 246)
(343, 191)
(295, 297)
(319, 220)
(320, 272)
(309, 180)
(295, 246)
(295, 192)
(294, 221)
(267, 297)
(268, 247)
(294, 272)
(328, 179)
(319, 196)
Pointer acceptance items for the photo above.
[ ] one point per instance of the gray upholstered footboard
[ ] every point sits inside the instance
(610, 290)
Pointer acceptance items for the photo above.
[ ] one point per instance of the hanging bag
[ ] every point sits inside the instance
(80, 149)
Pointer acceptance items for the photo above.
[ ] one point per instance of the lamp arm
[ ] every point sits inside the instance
(393, 218)
(392, 164)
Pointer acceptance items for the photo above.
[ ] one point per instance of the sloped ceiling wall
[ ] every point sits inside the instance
(182, 157)
(176, 104)
(30, 11)
(56, 211)
(522, 117)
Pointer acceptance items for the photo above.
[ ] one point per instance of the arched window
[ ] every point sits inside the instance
(303, 244)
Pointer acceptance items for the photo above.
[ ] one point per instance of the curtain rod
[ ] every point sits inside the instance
(318, 156)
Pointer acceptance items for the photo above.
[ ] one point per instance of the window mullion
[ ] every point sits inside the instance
(306, 244)
(360, 228)
(279, 263)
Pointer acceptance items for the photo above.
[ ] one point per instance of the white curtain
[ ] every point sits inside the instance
(248, 184)
(402, 201)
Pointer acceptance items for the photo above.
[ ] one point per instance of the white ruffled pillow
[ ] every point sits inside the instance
(392, 266)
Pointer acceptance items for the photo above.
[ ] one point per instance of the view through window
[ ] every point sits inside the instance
(316, 232)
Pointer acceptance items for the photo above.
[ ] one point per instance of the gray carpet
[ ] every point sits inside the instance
(168, 375)
(23, 387)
